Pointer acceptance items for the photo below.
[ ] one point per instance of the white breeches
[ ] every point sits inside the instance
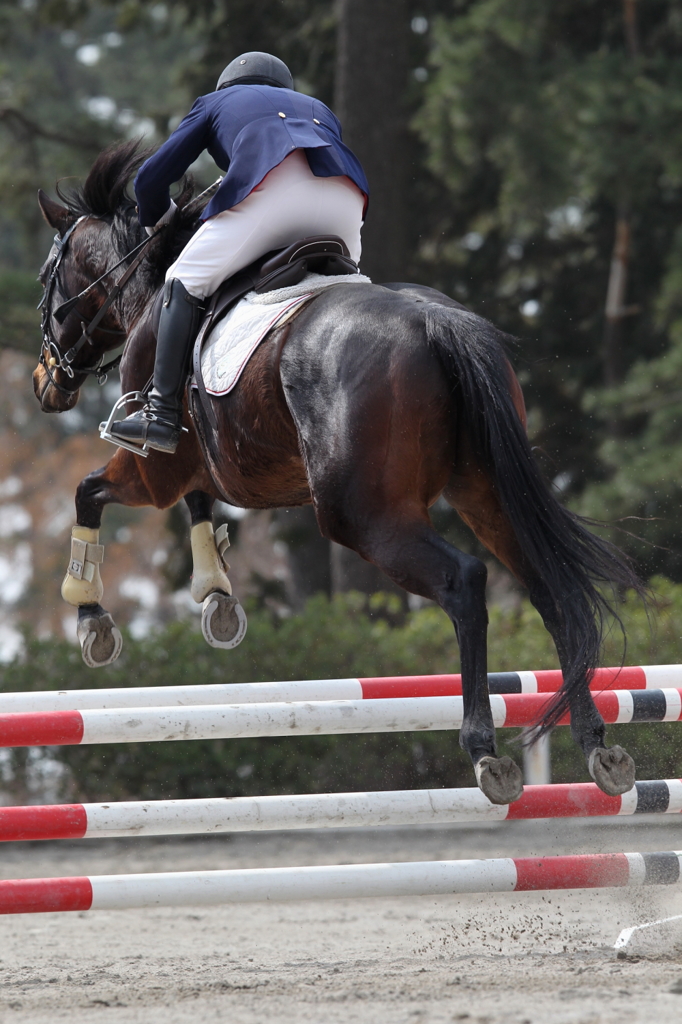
(290, 203)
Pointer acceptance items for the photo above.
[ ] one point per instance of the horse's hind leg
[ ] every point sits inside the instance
(223, 620)
(412, 554)
(611, 767)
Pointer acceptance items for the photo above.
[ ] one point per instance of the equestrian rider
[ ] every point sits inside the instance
(288, 175)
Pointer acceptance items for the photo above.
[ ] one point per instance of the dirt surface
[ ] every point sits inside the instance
(526, 958)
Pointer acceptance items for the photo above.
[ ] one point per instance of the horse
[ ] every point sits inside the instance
(371, 403)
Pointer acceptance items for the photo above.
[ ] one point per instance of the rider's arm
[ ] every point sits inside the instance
(168, 165)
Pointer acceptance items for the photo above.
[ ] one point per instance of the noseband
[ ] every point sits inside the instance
(50, 355)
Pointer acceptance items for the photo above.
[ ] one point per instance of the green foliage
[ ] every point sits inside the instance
(329, 639)
(19, 296)
(541, 122)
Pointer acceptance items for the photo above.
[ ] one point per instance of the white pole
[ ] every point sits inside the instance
(314, 810)
(208, 888)
(321, 718)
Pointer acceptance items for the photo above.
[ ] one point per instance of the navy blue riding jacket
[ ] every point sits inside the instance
(248, 130)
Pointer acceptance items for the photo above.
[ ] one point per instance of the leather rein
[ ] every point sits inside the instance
(50, 355)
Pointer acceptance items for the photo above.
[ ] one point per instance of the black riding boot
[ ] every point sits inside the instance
(159, 423)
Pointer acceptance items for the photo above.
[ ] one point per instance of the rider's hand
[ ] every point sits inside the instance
(163, 220)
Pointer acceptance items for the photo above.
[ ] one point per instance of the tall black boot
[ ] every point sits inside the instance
(159, 423)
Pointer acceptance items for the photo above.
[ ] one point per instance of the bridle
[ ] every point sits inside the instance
(51, 357)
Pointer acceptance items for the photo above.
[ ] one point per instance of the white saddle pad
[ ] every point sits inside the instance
(233, 341)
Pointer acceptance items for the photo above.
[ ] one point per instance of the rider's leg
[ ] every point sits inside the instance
(159, 423)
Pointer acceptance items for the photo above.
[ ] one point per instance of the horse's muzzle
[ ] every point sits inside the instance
(51, 400)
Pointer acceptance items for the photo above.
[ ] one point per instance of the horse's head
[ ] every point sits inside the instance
(96, 228)
(97, 232)
(69, 351)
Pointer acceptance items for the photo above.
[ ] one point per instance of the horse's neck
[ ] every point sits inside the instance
(137, 364)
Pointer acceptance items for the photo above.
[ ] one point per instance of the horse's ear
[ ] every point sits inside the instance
(56, 215)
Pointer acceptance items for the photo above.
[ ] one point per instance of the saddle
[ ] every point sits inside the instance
(280, 268)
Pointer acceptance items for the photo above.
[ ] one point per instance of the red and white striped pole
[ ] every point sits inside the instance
(328, 810)
(345, 881)
(314, 718)
(370, 688)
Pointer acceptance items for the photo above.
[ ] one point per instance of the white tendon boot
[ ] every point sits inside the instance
(100, 640)
(83, 583)
(223, 620)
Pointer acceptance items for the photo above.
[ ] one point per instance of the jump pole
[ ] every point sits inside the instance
(314, 718)
(328, 810)
(345, 881)
(370, 688)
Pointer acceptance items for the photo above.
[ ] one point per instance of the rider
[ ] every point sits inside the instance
(289, 175)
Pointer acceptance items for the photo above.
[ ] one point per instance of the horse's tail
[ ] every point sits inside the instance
(572, 563)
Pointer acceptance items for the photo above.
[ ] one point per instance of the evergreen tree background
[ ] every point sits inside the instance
(523, 155)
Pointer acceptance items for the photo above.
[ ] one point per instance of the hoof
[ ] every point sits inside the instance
(612, 769)
(100, 640)
(223, 621)
(499, 778)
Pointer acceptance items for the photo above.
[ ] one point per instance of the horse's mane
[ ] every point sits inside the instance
(104, 194)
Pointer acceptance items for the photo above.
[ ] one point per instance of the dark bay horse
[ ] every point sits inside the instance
(371, 403)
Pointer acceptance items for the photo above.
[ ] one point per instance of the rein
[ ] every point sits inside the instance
(89, 325)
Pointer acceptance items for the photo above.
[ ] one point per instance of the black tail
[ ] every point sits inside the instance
(572, 563)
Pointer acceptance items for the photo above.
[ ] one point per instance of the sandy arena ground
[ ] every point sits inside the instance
(526, 958)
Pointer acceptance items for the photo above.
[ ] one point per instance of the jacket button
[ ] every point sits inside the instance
(281, 114)
(315, 120)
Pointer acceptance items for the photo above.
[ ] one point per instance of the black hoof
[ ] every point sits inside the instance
(612, 769)
(499, 778)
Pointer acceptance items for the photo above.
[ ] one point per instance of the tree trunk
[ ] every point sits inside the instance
(372, 72)
(372, 69)
(616, 293)
(616, 311)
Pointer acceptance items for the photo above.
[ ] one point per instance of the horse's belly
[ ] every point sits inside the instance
(278, 488)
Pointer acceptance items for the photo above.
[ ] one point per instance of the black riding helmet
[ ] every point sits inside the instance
(256, 68)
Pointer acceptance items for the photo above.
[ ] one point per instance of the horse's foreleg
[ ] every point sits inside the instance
(223, 621)
(117, 482)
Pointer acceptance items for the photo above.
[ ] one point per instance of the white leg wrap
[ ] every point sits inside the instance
(209, 564)
(83, 583)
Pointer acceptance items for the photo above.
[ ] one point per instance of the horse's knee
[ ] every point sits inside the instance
(89, 503)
